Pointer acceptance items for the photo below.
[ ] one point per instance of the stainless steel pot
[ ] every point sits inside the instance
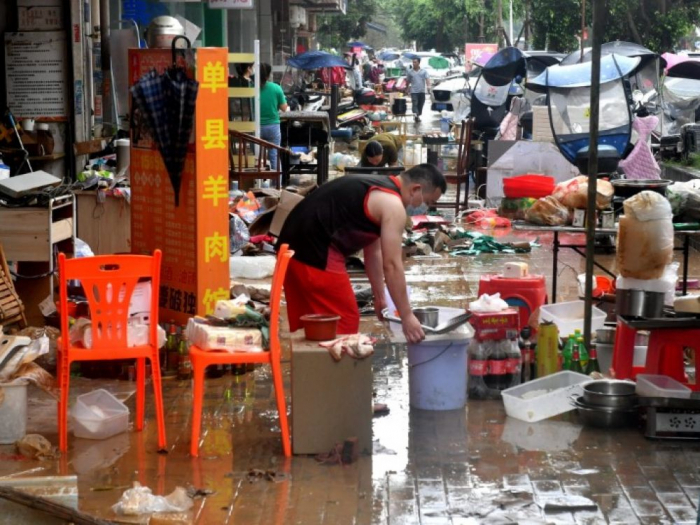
(427, 315)
(162, 30)
(610, 394)
(602, 417)
(638, 303)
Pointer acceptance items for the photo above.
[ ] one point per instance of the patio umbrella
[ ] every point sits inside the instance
(168, 102)
(316, 60)
(358, 44)
(503, 67)
(387, 56)
(438, 63)
(411, 56)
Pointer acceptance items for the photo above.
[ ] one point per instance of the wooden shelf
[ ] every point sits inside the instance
(45, 158)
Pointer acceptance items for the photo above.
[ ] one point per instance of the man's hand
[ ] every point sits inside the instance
(412, 329)
(379, 305)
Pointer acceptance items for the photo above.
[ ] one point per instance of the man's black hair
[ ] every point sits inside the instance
(427, 176)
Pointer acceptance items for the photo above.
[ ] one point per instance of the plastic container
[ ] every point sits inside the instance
(320, 327)
(649, 385)
(99, 415)
(569, 316)
(545, 397)
(13, 411)
(437, 375)
(605, 356)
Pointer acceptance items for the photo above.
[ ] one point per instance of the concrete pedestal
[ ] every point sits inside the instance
(331, 401)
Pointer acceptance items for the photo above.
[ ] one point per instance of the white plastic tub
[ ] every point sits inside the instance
(99, 415)
(545, 397)
(569, 316)
(13, 411)
(605, 355)
(650, 385)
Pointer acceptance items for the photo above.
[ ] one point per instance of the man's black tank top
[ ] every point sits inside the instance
(333, 222)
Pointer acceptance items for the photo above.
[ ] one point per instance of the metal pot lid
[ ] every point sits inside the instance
(641, 183)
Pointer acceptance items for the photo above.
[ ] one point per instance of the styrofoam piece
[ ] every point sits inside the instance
(252, 267)
(605, 355)
(568, 316)
(651, 385)
(99, 415)
(13, 411)
(545, 397)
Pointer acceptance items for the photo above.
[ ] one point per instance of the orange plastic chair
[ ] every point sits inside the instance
(201, 359)
(108, 282)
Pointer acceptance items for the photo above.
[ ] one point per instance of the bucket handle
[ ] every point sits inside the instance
(432, 358)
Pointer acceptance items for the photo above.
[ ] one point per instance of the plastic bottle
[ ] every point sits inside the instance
(514, 361)
(525, 351)
(567, 352)
(170, 345)
(576, 360)
(478, 368)
(547, 349)
(498, 377)
(582, 352)
(592, 365)
(184, 368)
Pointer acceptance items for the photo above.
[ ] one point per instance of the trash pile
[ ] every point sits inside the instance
(17, 362)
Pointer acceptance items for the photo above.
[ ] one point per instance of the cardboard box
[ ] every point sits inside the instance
(40, 18)
(495, 326)
(288, 201)
(331, 401)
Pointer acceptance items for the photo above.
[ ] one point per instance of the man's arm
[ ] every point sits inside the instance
(375, 273)
(390, 213)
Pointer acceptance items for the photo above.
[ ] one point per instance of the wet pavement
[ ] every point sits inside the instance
(466, 466)
(471, 466)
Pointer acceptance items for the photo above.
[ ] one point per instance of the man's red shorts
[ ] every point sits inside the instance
(309, 290)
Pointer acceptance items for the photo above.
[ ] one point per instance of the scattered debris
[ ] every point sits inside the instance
(254, 475)
(49, 507)
(141, 500)
(584, 471)
(195, 493)
(565, 502)
(36, 446)
(341, 454)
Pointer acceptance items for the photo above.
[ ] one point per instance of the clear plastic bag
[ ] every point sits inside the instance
(548, 211)
(573, 193)
(141, 500)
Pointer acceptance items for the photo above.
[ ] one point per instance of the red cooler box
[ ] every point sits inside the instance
(526, 294)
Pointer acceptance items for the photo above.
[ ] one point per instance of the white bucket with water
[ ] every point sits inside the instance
(437, 367)
(13, 411)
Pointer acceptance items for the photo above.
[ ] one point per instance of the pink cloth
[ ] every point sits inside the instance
(641, 164)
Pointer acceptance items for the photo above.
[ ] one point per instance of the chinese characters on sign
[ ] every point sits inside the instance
(478, 53)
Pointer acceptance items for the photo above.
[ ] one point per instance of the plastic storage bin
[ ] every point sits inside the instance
(545, 397)
(99, 415)
(650, 385)
(605, 356)
(13, 411)
(569, 316)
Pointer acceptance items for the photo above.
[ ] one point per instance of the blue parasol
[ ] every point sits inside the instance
(359, 44)
(412, 56)
(168, 103)
(612, 67)
(316, 60)
(388, 56)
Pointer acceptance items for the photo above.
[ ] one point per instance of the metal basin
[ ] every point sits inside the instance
(427, 315)
(639, 303)
(610, 394)
(602, 417)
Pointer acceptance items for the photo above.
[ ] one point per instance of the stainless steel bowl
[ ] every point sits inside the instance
(427, 315)
(602, 417)
(610, 394)
(639, 303)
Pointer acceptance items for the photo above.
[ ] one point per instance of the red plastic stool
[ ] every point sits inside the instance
(665, 353)
(526, 294)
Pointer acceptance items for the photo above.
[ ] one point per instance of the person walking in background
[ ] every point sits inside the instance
(418, 85)
(241, 108)
(272, 101)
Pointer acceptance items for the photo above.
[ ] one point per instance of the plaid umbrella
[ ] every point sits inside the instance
(168, 102)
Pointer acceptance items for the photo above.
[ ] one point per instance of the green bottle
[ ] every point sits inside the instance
(576, 360)
(582, 352)
(593, 365)
(566, 352)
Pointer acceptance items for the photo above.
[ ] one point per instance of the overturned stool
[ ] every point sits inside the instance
(331, 401)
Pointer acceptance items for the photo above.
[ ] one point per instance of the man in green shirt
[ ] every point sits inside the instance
(272, 101)
(382, 150)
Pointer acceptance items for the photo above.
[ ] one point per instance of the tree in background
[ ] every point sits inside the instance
(556, 24)
(337, 30)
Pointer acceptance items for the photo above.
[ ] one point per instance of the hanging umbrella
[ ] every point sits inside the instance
(358, 44)
(411, 56)
(386, 56)
(439, 63)
(504, 66)
(316, 60)
(168, 102)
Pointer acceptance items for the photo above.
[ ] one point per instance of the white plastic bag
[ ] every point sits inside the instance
(488, 303)
(666, 284)
(252, 267)
(645, 238)
(141, 500)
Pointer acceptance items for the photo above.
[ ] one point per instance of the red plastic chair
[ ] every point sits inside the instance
(201, 359)
(108, 282)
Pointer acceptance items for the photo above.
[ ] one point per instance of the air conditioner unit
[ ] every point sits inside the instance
(297, 16)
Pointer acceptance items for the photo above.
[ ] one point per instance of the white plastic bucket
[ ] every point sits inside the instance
(437, 375)
(13, 411)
